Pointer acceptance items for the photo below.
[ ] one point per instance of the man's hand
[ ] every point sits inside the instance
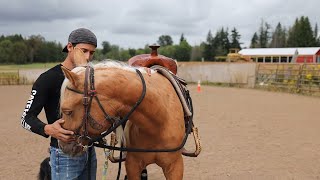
(55, 130)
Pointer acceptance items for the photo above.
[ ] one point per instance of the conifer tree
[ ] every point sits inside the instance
(254, 41)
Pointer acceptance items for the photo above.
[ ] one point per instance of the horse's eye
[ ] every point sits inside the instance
(67, 112)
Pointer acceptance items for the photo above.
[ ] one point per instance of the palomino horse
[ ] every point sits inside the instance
(157, 123)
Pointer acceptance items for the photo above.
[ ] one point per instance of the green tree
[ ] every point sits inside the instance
(106, 47)
(145, 50)
(124, 55)
(293, 34)
(165, 40)
(315, 32)
(316, 35)
(254, 41)
(19, 53)
(132, 52)
(221, 43)
(168, 51)
(98, 55)
(34, 43)
(278, 39)
(2, 38)
(114, 53)
(301, 34)
(182, 38)
(308, 39)
(235, 39)
(264, 34)
(15, 38)
(6, 51)
(208, 52)
(183, 51)
(196, 52)
(49, 52)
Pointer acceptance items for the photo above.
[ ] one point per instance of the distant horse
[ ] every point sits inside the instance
(157, 123)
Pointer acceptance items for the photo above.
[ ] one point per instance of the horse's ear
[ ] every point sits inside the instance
(73, 77)
(79, 57)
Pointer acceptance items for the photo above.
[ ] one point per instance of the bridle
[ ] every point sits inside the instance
(117, 121)
(89, 93)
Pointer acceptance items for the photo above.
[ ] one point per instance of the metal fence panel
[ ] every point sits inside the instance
(295, 78)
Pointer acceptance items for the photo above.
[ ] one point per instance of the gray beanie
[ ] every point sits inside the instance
(81, 35)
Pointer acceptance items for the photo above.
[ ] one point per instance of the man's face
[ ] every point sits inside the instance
(87, 49)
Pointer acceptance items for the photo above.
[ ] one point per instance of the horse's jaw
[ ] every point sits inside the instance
(72, 148)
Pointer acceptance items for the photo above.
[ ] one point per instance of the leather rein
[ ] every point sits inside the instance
(89, 94)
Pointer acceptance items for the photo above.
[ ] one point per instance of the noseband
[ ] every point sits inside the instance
(89, 93)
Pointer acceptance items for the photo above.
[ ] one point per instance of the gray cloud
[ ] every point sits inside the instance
(44, 11)
(136, 23)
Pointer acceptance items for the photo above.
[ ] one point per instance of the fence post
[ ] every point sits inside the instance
(299, 78)
(18, 76)
(257, 75)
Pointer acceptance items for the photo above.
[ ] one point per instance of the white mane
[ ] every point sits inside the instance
(103, 64)
(112, 64)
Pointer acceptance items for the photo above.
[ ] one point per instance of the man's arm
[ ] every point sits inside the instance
(35, 103)
(29, 119)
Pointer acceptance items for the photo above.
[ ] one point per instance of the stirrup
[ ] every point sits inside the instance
(113, 143)
(197, 143)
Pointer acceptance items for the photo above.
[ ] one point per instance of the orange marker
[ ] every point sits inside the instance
(199, 86)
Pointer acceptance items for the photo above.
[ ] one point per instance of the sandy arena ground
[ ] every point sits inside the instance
(245, 134)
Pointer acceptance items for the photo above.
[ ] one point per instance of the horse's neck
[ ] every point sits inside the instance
(159, 106)
(123, 87)
(126, 88)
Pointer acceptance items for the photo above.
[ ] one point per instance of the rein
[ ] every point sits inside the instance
(116, 121)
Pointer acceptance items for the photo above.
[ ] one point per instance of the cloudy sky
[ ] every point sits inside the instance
(133, 24)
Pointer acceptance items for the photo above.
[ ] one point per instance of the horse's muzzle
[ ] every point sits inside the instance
(71, 148)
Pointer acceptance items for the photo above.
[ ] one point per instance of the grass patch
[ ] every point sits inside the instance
(9, 77)
(28, 66)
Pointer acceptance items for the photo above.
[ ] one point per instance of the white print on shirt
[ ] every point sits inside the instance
(25, 111)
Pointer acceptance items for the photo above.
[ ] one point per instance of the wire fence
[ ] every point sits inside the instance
(288, 77)
(9, 77)
(19, 77)
(294, 78)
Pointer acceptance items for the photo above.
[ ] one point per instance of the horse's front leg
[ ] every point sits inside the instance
(174, 170)
(134, 167)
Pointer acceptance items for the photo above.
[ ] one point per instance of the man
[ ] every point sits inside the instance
(45, 94)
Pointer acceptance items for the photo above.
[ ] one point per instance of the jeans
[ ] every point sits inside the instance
(65, 167)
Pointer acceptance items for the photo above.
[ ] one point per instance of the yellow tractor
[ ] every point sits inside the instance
(234, 56)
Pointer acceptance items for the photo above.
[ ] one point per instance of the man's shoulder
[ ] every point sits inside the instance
(51, 75)
(54, 71)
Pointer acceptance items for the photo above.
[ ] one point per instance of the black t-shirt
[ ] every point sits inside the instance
(45, 94)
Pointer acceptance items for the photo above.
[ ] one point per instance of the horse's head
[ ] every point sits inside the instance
(82, 109)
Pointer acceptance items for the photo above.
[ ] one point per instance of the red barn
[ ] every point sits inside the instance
(282, 55)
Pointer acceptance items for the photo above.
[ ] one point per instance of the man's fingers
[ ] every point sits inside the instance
(67, 132)
(60, 121)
